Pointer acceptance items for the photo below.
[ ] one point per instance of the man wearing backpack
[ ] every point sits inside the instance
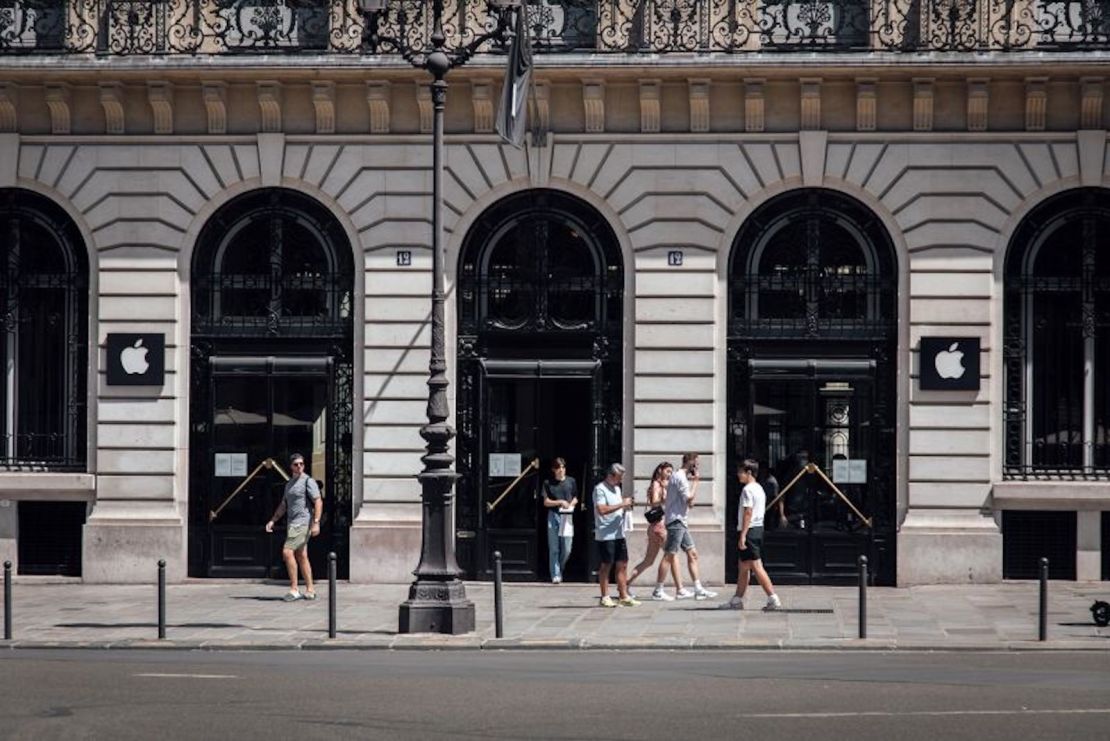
(299, 491)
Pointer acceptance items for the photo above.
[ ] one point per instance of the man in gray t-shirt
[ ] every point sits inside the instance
(300, 489)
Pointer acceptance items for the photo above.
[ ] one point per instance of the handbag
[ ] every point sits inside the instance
(654, 515)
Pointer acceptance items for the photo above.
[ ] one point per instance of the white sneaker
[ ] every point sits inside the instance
(704, 594)
(660, 595)
(733, 604)
(773, 603)
(683, 593)
(556, 580)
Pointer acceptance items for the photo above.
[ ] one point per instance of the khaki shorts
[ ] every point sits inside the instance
(296, 537)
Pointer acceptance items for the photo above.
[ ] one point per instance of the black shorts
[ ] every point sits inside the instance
(612, 551)
(754, 541)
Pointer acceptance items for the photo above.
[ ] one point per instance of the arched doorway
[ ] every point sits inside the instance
(44, 294)
(540, 292)
(271, 374)
(811, 395)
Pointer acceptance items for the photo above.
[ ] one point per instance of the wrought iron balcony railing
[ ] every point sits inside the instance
(120, 27)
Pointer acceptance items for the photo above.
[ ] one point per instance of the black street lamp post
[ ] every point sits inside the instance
(437, 600)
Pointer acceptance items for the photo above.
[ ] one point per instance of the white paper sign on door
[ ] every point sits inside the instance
(223, 465)
(496, 465)
(238, 464)
(504, 465)
(850, 471)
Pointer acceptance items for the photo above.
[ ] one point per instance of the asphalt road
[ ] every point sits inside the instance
(566, 695)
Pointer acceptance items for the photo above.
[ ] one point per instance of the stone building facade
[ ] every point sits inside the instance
(732, 245)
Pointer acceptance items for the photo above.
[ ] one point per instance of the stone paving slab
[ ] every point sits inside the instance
(251, 616)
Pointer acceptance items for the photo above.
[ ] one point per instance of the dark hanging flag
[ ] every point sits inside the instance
(513, 110)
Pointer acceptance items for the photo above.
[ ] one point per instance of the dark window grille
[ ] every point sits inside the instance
(540, 272)
(1029, 536)
(1056, 344)
(812, 270)
(43, 347)
(269, 271)
(50, 538)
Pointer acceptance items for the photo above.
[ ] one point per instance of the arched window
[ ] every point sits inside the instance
(1057, 339)
(268, 265)
(816, 264)
(534, 263)
(44, 293)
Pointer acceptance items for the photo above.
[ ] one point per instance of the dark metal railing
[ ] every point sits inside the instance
(813, 303)
(123, 27)
(267, 305)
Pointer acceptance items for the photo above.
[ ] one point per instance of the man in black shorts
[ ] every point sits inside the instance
(753, 503)
(609, 508)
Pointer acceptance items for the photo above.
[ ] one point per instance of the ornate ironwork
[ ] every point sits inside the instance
(557, 26)
(273, 274)
(291, 283)
(813, 273)
(556, 248)
(1056, 341)
(44, 343)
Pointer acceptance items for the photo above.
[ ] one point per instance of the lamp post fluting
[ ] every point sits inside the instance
(437, 601)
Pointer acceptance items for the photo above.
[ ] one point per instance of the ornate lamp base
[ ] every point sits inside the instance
(437, 607)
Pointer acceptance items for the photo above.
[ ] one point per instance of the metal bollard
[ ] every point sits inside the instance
(1042, 625)
(863, 596)
(499, 622)
(331, 595)
(161, 598)
(7, 600)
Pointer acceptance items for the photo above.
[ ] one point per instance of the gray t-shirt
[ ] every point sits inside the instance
(677, 502)
(297, 493)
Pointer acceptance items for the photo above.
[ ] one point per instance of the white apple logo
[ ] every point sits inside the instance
(133, 359)
(949, 363)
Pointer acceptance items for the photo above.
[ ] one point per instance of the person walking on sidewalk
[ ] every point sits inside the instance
(753, 502)
(609, 508)
(300, 489)
(682, 487)
(657, 530)
(560, 497)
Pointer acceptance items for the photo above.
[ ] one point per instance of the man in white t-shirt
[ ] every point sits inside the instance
(681, 490)
(609, 508)
(753, 503)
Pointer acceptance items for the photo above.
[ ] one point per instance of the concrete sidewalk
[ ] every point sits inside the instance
(230, 615)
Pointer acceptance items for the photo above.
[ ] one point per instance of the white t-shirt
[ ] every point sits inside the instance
(754, 497)
(677, 503)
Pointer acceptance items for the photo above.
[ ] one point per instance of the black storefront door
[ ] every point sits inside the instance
(813, 425)
(537, 411)
(262, 408)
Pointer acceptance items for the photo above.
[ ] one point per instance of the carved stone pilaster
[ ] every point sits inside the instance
(593, 96)
(1036, 103)
(649, 106)
(540, 110)
(215, 105)
(160, 96)
(923, 104)
(978, 102)
(699, 105)
(866, 104)
(269, 105)
(424, 106)
(481, 92)
(378, 98)
(58, 102)
(9, 118)
(323, 101)
(811, 104)
(753, 106)
(1090, 110)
